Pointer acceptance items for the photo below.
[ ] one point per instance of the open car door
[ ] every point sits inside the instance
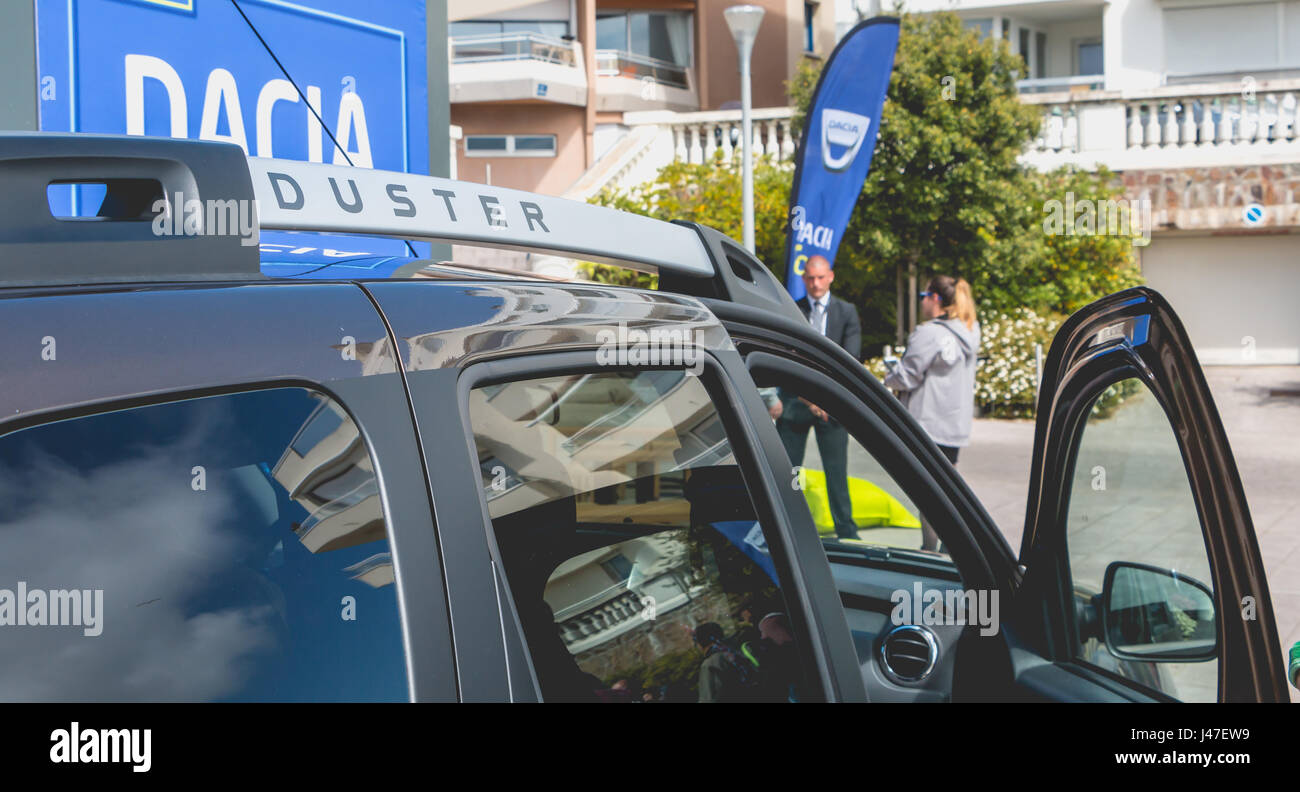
(1142, 574)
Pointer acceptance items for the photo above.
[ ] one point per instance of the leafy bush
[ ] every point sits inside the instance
(1006, 380)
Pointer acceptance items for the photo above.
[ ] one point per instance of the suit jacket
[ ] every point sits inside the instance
(842, 324)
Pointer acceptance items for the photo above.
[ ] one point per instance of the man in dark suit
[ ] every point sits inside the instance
(837, 320)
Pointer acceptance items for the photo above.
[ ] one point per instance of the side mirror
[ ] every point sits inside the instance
(1157, 615)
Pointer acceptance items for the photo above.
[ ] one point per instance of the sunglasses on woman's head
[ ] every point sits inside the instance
(925, 294)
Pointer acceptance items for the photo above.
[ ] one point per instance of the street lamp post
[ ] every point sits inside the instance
(744, 21)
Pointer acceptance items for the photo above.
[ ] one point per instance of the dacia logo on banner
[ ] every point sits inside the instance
(845, 130)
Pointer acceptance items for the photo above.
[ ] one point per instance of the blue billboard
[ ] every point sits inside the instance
(334, 81)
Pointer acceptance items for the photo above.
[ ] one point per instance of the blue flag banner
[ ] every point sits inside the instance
(839, 138)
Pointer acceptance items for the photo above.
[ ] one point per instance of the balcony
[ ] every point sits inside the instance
(629, 82)
(1206, 125)
(1078, 82)
(487, 68)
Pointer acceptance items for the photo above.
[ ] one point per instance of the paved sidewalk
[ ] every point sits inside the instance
(1262, 424)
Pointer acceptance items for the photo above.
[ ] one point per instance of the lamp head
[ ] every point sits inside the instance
(744, 20)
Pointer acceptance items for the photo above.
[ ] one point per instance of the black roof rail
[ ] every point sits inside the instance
(739, 277)
(125, 240)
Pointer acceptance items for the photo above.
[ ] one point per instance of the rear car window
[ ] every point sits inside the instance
(638, 568)
(225, 548)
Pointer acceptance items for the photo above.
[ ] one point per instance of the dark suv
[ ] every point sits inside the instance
(399, 479)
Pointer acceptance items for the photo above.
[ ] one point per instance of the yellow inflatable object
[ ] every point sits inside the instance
(872, 506)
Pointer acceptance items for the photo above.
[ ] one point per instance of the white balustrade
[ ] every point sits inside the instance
(1153, 125)
(1171, 126)
(1207, 124)
(696, 153)
(1202, 118)
(1193, 121)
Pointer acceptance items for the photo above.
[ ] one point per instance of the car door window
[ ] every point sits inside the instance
(1131, 503)
(636, 563)
(226, 548)
(847, 489)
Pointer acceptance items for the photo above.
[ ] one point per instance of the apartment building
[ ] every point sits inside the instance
(541, 91)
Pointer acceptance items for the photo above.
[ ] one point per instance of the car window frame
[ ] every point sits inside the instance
(385, 489)
(805, 591)
(377, 404)
(754, 331)
(1065, 646)
(1136, 333)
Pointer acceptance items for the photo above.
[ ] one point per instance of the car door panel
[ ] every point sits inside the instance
(517, 332)
(1135, 335)
(1038, 620)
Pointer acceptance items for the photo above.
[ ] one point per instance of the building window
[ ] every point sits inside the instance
(550, 29)
(1088, 57)
(510, 145)
(984, 26)
(809, 41)
(664, 36)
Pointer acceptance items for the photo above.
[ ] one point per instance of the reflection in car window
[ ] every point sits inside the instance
(237, 542)
(1130, 500)
(637, 565)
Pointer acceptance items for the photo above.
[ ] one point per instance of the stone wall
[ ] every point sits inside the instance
(1217, 198)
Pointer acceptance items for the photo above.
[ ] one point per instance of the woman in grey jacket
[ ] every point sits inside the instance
(936, 376)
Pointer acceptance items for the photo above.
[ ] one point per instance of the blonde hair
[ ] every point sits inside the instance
(955, 298)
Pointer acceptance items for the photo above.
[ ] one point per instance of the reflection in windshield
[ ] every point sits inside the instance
(239, 543)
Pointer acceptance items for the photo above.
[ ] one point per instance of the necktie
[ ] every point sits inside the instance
(816, 315)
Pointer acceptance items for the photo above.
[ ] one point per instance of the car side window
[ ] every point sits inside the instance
(848, 491)
(1137, 556)
(637, 565)
(224, 548)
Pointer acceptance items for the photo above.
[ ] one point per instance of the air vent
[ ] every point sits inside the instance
(908, 654)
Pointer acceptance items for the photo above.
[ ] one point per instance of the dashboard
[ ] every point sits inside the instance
(901, 612)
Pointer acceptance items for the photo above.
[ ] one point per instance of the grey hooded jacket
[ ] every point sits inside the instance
(936, 377)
